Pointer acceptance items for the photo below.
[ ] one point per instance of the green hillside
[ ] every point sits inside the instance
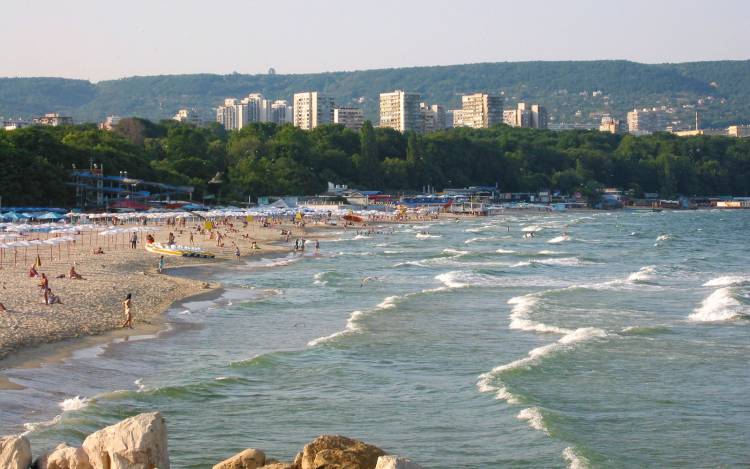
(721, 90)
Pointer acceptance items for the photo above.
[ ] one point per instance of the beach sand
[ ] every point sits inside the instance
(93, 306)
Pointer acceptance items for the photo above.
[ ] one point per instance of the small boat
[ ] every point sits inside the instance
(354, 218)
(176, 250)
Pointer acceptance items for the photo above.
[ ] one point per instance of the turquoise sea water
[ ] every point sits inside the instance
(606, 340)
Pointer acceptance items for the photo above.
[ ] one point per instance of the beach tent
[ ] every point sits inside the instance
(50, 216)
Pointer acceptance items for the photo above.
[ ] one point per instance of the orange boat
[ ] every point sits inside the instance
(352, 217)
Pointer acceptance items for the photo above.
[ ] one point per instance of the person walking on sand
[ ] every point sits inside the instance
(160, 266)
(127, 304)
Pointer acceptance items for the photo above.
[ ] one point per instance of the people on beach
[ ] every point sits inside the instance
(127, 304)
(237, 252)
(98, 250)
(160, 266)
(171, 239)
(53, 299)
(33, 272)
(134, 241)
(3, 309)
(73, 275)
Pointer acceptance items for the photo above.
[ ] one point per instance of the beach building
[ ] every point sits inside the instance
(312, 109)
(399, 110)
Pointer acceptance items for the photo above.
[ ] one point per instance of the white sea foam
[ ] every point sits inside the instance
(644, 274)
(351, 328)
(519, 316)
(34, 426)
(361, 237)
(278, 262)
(74, 403)
(456, 252)
(566, 342)
(575, 460)
(547, 252)
(563, 261)
(533, 416)
(139, 384)
(721, 305)
(389, 302)
(505, 251)
(664, 237)
(318, 279)
(559, 239)
(502, 394)
(485, 239)
(454, 279)
(727, 281)
(531, 229)
(426, 236)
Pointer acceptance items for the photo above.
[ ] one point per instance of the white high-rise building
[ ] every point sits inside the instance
(481, 110)
(400, 110)
(433, 117)
(350, 117)
(281, 112)
(534, 116)
(312, 109)
(642, 121)
(230, 114)
(258, 108)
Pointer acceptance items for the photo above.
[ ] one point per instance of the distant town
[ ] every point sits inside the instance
(406, 112)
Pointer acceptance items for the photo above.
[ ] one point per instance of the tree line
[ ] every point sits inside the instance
(267, 159)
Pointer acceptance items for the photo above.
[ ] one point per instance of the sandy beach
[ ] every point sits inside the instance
(93, 306)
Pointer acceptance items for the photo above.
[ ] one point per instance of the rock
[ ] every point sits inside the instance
(15, 452)
(339, 452)
(64, 457)
(139, 442)
(278, 465)
(248, 459)
(394, 462)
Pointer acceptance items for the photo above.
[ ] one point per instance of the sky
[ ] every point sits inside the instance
(100, 40)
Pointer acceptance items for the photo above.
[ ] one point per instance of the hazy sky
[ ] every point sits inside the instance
(98, 39)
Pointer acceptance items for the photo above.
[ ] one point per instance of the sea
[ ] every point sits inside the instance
(606, 339)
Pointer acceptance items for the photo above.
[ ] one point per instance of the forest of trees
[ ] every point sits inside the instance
(266, 159)
(564, 87)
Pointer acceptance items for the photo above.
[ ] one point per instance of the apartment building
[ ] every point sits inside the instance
(400, 110)
(644, 121)
(480, 110)
(281, 112)
(53, 119)
(312, 109)
(350, 117)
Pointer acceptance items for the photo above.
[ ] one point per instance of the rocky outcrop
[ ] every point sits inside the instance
(139, 442)
(395, 462)
(248, 459)
(339, 452)
(15, 452)
(64, 457)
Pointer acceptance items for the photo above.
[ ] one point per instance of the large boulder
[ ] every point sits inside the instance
(339, 452)
(248, 459)
(139, 442)
(395, 462)
(15, 452)
(64, 457)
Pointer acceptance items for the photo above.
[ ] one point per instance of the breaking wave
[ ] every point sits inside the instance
(719, 306)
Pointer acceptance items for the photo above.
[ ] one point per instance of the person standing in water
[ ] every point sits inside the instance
(127, 304)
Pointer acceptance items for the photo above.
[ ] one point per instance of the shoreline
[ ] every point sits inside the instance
(150, 319)
(189, 281)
